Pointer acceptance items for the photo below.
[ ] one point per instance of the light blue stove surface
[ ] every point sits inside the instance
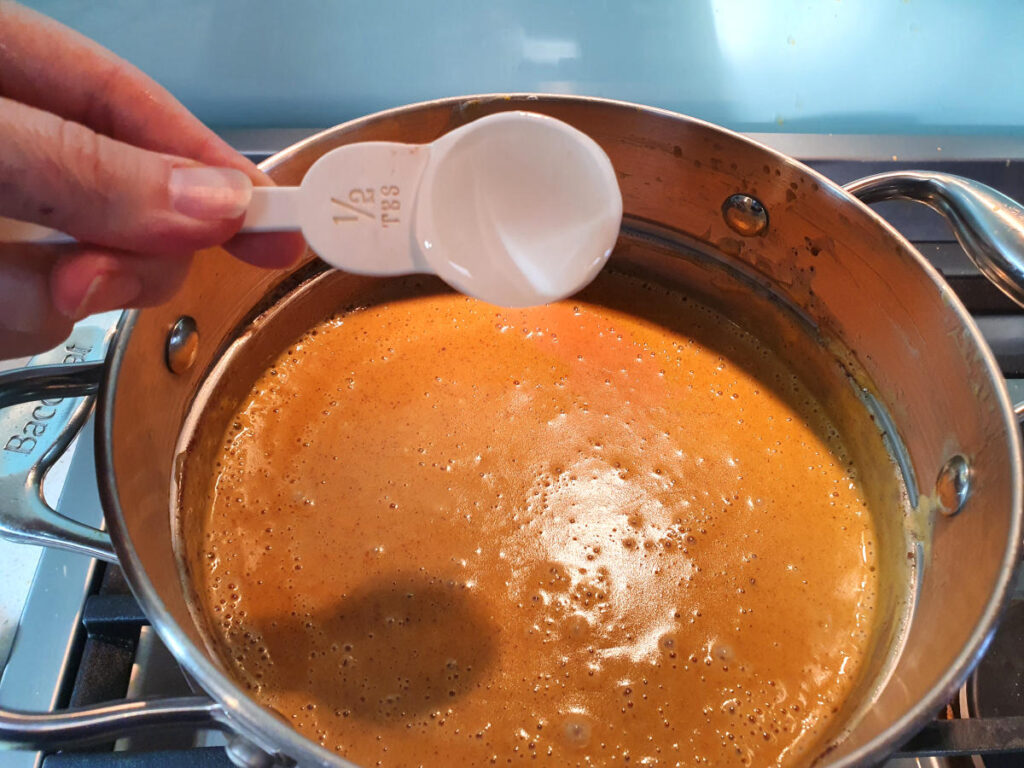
(827, 66)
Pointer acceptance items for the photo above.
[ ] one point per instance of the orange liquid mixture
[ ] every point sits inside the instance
(445, 534)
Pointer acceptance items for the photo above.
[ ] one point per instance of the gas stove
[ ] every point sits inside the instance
(82, 639)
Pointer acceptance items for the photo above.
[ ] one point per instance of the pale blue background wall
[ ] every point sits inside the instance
(893, 66)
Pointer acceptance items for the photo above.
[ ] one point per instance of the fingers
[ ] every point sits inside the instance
(43, 290)
(62, 175)
(89, 281)
(272, 250)
(49, 66)
(123, 171)
(24, 291)
(29, 322)
(13, 344)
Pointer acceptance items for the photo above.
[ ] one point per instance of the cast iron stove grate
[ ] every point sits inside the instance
(113, 623)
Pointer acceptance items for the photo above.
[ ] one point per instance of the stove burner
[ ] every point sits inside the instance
(996, 689)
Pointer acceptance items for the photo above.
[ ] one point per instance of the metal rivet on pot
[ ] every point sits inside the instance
(182, 344)
(953, 485)
(745, 215)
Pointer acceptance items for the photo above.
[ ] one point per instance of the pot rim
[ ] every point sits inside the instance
(275, 736)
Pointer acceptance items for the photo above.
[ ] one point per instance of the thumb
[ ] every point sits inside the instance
(98, 190)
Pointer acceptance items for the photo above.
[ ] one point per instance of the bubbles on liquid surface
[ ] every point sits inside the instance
(576, 730)
(627, 515)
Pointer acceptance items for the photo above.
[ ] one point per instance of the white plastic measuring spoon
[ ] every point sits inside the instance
(515, 208)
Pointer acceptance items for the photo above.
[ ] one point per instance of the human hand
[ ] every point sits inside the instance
(91, 146)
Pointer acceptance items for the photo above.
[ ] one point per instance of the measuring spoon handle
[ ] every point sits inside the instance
(272, 209)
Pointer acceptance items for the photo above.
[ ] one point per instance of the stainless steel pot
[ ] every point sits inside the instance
(694, 194)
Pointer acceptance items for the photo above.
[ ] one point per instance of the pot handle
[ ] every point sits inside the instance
(42, 408)
(84, 726)
(988, 224)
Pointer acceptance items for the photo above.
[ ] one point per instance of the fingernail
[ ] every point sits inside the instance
(210, 193)
(109, 290)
